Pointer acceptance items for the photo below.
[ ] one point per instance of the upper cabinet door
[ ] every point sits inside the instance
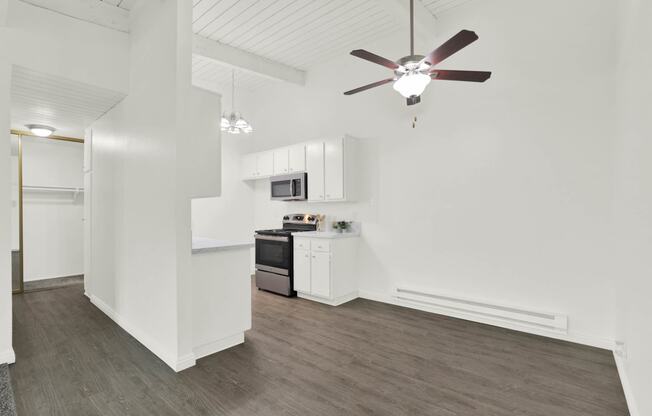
(315, 169)
(297, 158)
(334, 169)
(265, 163)
(249, 170)
(281, 161)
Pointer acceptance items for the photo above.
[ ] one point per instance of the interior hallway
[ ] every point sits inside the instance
(360, 358)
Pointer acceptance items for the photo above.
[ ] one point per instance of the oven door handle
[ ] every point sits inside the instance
(271, 238)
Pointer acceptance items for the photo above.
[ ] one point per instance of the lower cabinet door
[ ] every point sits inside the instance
(321, 274)
(302, 271)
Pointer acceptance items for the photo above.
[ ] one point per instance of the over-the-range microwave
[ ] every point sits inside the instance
(291, 187)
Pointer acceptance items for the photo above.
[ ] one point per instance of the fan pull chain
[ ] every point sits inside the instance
(414, 122)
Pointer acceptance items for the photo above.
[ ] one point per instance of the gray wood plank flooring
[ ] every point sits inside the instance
(54, 283)
(304, 358)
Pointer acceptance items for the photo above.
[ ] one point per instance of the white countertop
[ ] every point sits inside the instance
(326, 234)
(202, 244)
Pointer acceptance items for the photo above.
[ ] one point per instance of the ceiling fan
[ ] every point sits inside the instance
(413, 73)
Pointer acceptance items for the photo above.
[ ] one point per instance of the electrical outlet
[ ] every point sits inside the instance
(620, 349)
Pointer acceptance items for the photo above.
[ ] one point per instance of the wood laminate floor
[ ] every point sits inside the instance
(304, 358)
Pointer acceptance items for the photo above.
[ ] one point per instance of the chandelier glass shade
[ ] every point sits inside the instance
(234, 123)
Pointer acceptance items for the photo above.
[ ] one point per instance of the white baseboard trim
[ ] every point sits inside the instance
(184, 362)
(335, 302)
(218, 345)
(175, 363)
(7, 356)
(577, 338)
(627, 387)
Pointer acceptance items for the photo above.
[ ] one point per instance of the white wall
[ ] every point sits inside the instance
(52, 221)
(231, 215)
(633, 204)
(502, 191)
(140, 218)
(60, 45)
(6, 350)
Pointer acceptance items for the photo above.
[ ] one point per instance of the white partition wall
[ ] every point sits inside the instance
(6, 350)
(140, 187)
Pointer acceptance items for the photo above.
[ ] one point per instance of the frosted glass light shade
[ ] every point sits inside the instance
(40, 130)
(412, 84)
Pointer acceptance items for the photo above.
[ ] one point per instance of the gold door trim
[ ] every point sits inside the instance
(20, 135)
(21, 287)
(53, 137)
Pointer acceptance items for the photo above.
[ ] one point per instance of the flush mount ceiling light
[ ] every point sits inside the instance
(40, 130)
(234, 123)
(413, 73)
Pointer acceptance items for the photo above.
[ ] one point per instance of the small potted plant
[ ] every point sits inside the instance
(341, 226)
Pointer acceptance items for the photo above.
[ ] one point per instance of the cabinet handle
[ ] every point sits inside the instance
(314, 257)
(307, 255)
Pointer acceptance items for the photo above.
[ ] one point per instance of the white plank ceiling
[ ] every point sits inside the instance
(437, 7)
(123, 4)
(68, 106)
(298, 33)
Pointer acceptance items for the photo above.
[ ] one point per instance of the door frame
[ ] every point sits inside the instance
(20, 134)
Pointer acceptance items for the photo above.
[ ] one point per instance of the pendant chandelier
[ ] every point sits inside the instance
(233, 123)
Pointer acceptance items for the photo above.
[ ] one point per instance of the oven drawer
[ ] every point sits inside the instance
(301, 243)
(321, 244)
(273, 282)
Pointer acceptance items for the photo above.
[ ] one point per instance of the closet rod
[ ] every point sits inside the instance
(62, 138)
(53, 188)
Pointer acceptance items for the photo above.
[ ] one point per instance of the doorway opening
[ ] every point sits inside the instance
(47, 211)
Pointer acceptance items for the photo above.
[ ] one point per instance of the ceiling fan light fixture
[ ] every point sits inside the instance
(40, 130)
(412, 84)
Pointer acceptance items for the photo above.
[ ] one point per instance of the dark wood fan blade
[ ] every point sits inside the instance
(369, 86)
(372, 57)
(471, 76)
(452, 45)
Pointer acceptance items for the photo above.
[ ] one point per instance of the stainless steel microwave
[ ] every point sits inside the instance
(289, 187)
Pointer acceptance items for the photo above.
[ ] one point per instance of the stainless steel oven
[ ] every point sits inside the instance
(274, 253)
(291, 187)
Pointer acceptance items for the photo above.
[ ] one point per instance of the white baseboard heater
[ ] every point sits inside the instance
(508, 314)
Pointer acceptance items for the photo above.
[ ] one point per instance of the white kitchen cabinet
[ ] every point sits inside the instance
(258, 165)
(281, 161)
(320, 274)
(315, 169)
(249, 166)
(297, 158)
(302, 270)
(334, 169)
(265, 162)
(328, 274)
(330, 165)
